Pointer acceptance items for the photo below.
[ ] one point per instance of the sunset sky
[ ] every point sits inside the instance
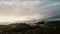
(21, 10)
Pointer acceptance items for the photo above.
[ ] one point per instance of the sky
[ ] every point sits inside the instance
(21, 10)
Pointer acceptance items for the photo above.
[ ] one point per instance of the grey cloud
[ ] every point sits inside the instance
(53, 0)
(44, 8)
(49, 9)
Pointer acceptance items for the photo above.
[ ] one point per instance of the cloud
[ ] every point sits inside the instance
(44, 8)
(49, 9)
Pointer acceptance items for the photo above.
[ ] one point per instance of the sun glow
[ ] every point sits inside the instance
(11, 19)
(18, 19)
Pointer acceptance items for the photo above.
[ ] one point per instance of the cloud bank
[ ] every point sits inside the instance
(37, 9)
